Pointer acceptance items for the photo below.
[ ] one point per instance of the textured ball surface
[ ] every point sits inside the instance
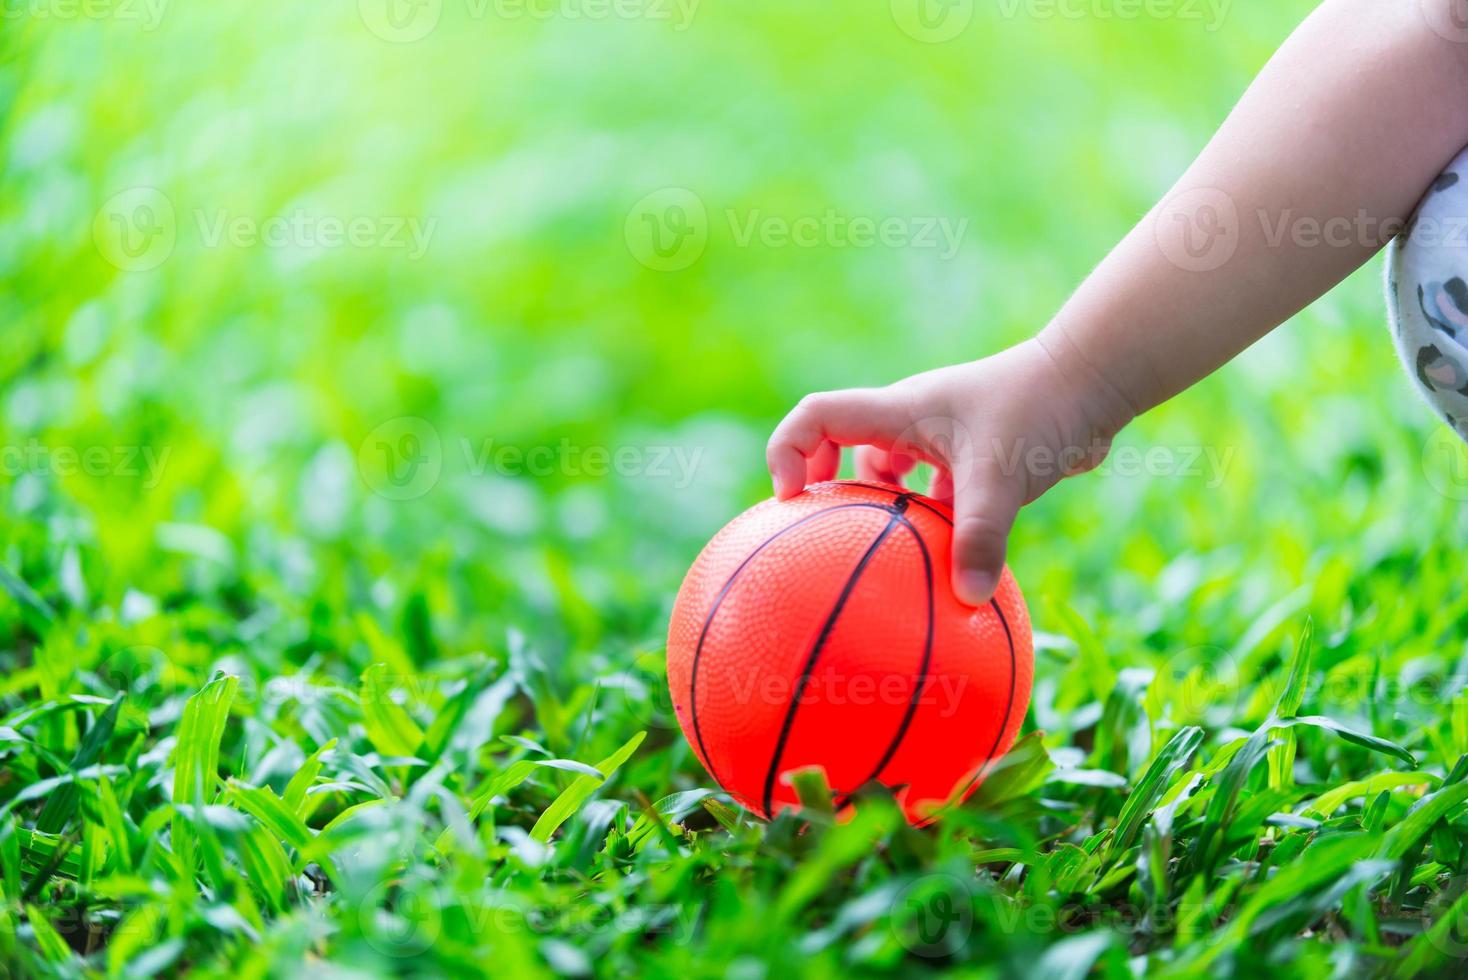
(823, 631)
(1427, 295)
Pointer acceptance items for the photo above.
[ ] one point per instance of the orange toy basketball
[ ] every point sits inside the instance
(823, 631)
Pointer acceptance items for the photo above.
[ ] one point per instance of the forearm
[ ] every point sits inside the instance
(1319, 164)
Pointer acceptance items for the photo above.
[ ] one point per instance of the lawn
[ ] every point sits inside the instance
(373, 372)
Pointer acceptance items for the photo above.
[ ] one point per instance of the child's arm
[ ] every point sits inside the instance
(1351, 120)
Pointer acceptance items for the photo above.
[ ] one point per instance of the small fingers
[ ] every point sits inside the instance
(825, 464)
(857, 416)
(787, 469)
(984, 512)
(882, 465)
(941, 489)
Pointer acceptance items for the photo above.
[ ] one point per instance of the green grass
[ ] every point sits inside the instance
(261, 706)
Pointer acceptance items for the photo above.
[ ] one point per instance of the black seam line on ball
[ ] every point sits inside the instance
(922, 675)
(1009, 705)
(862, 483)
(719, 600)
(1008, 636)
(989, 759)
(815, 653)
(900, 497)
(914, 498)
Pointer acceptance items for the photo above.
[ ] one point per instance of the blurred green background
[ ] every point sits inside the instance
(470, 319)
(253, 355)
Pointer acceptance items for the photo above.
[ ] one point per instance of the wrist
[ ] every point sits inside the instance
(1102, 399)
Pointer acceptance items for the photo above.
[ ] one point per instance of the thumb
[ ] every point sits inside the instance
(984, 509)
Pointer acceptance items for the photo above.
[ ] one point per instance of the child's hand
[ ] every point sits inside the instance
(1223, 259)
(1000, 432)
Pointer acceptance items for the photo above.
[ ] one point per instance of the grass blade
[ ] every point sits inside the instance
(390, 728)
(1149, 789)
(295, 792)
(1362, 739)
(27, 597)
(52, 946)
(580, 791)
(1421, 818)
(1282, 756)
(61, 805)
(196, 758)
